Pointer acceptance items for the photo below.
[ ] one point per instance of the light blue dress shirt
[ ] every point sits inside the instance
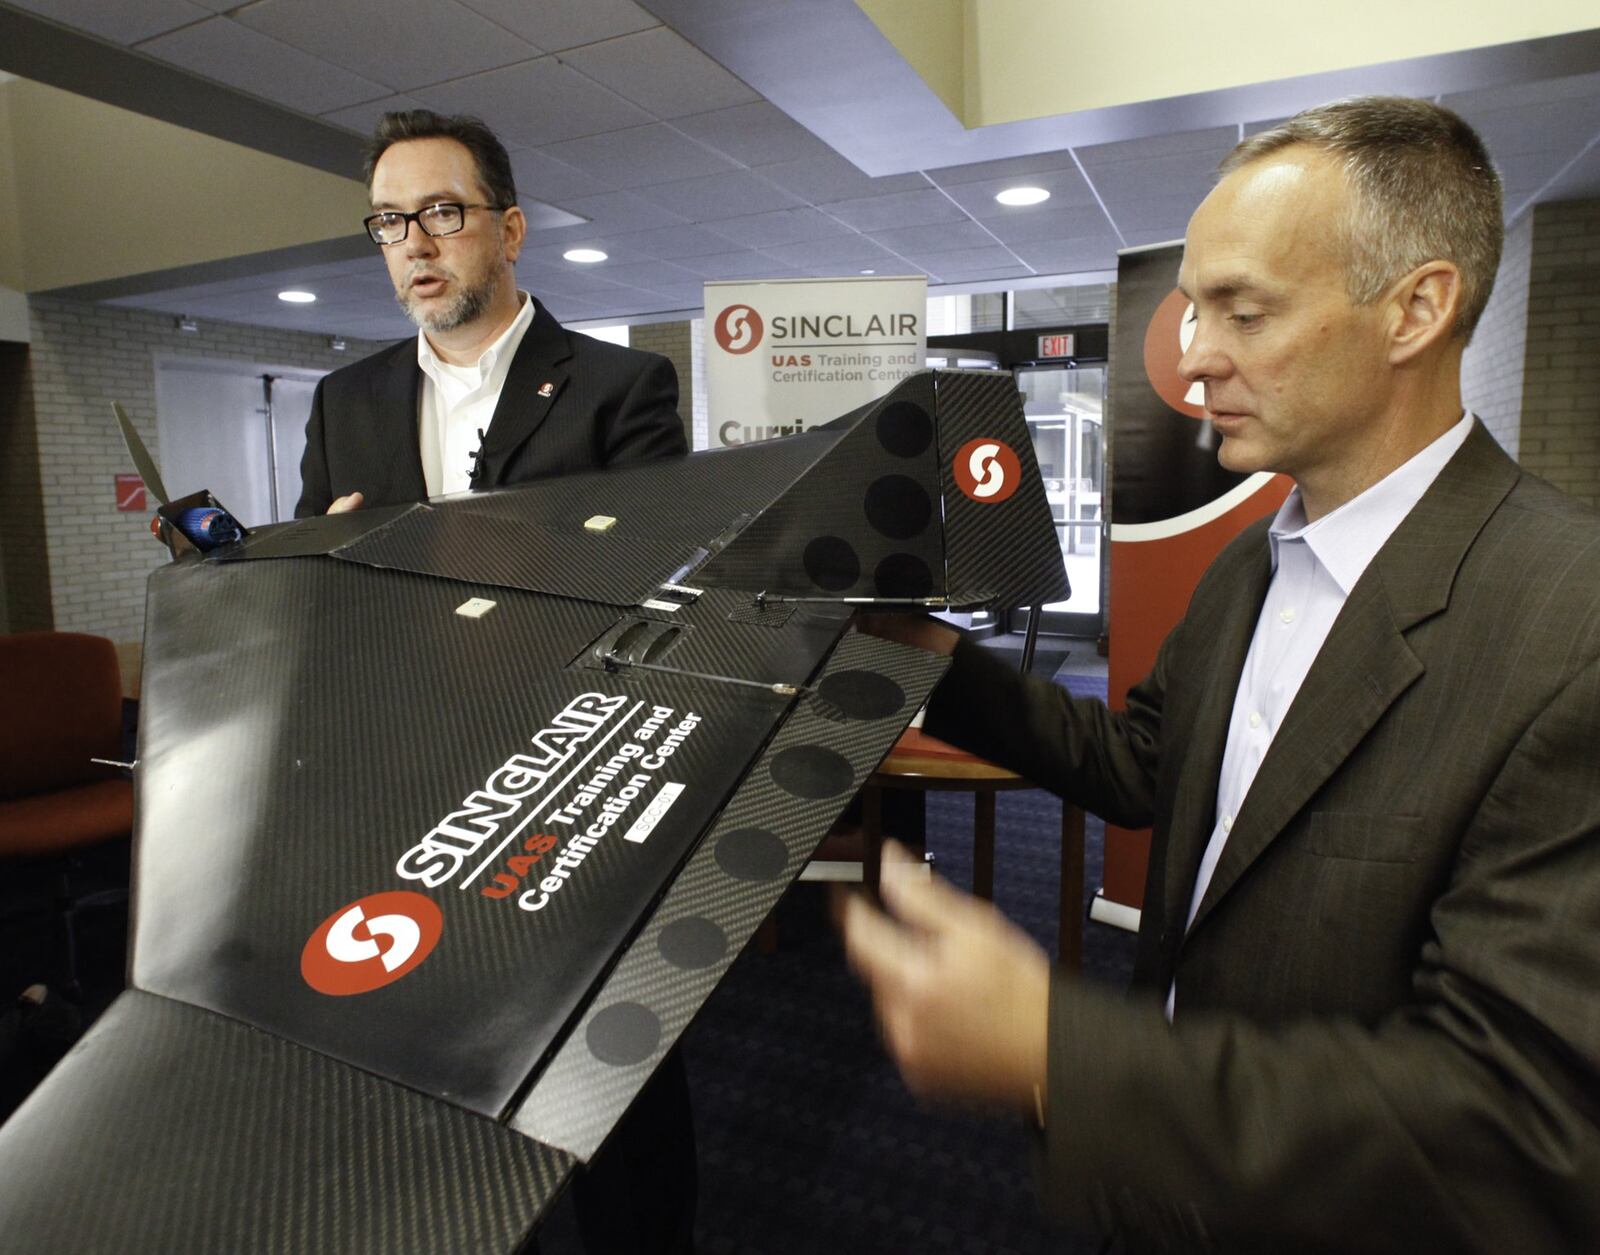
(1314, 567)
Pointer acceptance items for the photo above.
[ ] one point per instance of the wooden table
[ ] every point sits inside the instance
(922, 762)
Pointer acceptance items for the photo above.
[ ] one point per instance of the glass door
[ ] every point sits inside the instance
(1064, 405)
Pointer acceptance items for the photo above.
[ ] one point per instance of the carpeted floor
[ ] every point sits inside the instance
(809, 1143)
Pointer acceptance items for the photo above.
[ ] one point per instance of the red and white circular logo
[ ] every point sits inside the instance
(738, 329)
(1166, 340)
(370, 943)
(987, 470)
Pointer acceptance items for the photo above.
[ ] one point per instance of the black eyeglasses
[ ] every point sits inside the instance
(445, 218)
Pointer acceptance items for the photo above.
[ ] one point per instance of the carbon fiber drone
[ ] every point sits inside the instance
(450, 816)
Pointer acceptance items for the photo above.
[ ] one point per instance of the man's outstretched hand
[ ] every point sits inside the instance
(961, 993)
(343, 505)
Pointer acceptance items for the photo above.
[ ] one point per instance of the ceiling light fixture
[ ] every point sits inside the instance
(296, 297)
(1022, 196)
(584, 256)
(869, 272)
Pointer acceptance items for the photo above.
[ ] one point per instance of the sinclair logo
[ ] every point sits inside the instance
(987, 470)
(371, 943)
(738, 329)
(1166, 340)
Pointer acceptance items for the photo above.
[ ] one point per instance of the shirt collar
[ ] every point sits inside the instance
(1346, 541)
(504, 346)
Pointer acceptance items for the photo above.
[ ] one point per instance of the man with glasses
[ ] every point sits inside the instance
(493, 390)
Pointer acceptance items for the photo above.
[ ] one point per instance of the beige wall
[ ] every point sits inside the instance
(1037, 58)
(161, 196)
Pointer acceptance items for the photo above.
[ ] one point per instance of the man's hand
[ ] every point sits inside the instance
(918, 630)
(346, 503)
(961, 993)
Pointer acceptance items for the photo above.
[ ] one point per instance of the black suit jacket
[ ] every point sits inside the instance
(570, 403)
(1387, 1034)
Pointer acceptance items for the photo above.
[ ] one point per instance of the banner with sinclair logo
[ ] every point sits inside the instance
(786, 353)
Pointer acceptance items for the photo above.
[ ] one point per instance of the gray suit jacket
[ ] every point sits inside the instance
(1387, 1034)
(570, 403)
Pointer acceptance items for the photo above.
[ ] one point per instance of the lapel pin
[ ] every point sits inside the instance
(547, 389)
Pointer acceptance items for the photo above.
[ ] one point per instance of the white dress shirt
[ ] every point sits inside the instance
(1314, 567)
(457, 404)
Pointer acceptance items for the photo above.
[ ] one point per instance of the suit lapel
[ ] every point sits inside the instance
(395, 392)
(1195, 801)
(1366, 663)
(533, 383)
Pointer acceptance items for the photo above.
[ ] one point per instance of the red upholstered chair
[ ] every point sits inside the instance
(60, 707)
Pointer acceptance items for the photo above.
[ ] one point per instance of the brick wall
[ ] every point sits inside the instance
(83, 357)
(683, 344)
(1561, 375)
(1492, 368)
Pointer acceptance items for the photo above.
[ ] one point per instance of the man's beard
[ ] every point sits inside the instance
(468, 304)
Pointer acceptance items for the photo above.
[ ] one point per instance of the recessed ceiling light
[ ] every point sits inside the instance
(586, 256)
(869, 272)
(1022, 196)
(296, 297)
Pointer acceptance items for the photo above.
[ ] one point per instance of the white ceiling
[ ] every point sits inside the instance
(686, 172)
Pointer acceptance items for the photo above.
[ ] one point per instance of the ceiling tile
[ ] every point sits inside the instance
(616, 247)
(363, 118)
(539, 174)
(555, 25)
(844, 251)
(672, 243)
(432, 42)
(982, 274)
(641, 155)
(1195, 145)
(126, 22)
(781, 226)
(742, 265)
(615, 213)
(829, 178)
(720, 196)
(900, 209)
(1068, 189)
(1156, 213)
(758, 134)
(1155, 235)
(941, 237)
(1008, 168)
(661, 71)
(1093, 252)
(221, 49)
(566, 280)
(1579, 181)
(535, 103)
(649, 274)
(1058, 224)
(964, 259)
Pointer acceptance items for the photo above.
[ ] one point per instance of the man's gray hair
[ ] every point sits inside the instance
(1424, 190)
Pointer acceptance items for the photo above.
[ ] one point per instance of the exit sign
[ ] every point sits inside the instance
(130, 494)
(1056, 346)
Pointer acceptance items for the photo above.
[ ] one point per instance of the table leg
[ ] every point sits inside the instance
(871, 837)
(1069, 940)
(983, 844)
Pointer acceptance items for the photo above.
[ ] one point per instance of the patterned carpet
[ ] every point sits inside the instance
(809, 1143)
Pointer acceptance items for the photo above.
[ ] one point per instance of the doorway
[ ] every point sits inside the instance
(237, 428)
